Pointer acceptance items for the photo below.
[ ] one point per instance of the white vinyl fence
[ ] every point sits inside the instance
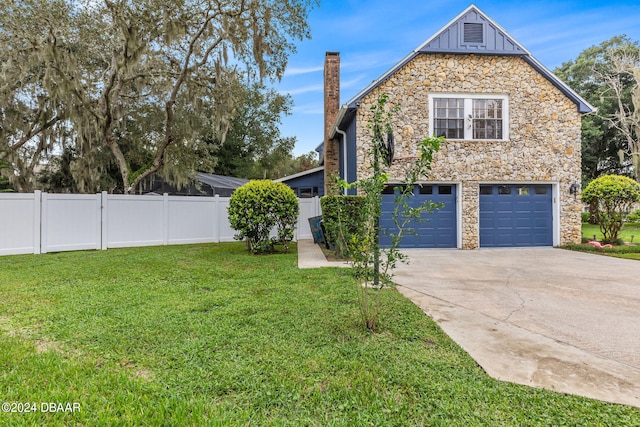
(41, 222)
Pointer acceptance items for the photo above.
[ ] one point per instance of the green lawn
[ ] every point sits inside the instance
(630, 229)
(630, 234)
(209, 335)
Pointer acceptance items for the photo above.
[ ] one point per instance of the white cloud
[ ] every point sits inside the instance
(296, 71)
(304, 89)
(309, 109)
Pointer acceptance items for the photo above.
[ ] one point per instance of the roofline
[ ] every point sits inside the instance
(352, 103)
(583, 105)
(299, 174)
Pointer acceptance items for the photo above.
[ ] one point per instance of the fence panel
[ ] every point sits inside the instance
(225, 232)
(19, 223)
(135, 221)
(70, 222)
(308, 209)
(193, 219)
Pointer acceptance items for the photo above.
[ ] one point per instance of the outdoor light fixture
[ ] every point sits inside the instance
(574, 189)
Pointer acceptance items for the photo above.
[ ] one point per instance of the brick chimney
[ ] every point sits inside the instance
(331, 109)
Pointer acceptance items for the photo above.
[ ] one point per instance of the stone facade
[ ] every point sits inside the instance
(544, 132)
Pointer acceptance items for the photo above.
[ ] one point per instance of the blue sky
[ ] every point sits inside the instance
(374, 35)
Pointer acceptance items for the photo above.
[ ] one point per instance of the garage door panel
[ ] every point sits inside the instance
(541, 223)
(503, 223)
(516, 215)
(522, 223)
(503, 206)
(541, 205)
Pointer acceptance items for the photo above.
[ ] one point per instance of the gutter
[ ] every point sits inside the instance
(336, 123)
(344, 154)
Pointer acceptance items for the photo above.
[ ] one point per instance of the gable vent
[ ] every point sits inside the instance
(473, 33)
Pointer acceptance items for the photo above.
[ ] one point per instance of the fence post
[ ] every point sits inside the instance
(104, 220)
(165, 219)
(217, 219)
(44, 224)
(37, 221)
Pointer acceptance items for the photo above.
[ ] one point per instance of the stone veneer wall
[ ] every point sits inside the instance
(544, 132)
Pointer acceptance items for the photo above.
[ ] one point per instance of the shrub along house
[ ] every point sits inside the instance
(509, 170)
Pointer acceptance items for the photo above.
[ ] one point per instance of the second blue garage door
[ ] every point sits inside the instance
(516, 215)
(439, 231)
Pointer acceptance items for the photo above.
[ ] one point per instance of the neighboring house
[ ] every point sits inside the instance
(512, 156)
(306, 184)
(309, 183)
(204, 184)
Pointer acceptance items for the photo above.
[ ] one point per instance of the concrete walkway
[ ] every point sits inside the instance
(542, 317)
(311, 256)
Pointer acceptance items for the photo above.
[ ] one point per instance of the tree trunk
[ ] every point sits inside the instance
(593, 212)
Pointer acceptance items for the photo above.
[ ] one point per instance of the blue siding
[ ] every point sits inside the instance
(495, 41)
(311, 181)
(352, 175)
(440, 231)
(516, 215)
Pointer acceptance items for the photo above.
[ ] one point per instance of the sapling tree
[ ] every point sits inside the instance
(372, 264)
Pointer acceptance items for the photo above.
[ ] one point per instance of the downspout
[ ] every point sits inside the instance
(344, 156)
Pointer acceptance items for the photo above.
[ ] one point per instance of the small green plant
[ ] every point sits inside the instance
(634, 216)
(372, 265)
(258, 207)
(613, 196)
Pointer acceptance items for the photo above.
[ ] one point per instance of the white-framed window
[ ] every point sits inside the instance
(469, 116)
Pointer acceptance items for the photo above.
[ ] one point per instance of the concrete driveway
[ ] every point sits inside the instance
(543, 317)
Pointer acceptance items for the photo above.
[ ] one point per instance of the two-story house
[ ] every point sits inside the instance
(509, 171)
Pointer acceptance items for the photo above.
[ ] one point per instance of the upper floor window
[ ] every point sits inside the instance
(459, 116)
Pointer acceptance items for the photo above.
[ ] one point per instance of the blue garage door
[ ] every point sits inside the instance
(516, 215)
(440, 229)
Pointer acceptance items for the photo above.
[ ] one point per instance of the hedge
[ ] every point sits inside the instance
(342, 218)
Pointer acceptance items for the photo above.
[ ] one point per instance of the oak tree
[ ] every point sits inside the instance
(141, 80)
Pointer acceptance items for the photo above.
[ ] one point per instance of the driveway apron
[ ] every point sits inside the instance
(543, 317)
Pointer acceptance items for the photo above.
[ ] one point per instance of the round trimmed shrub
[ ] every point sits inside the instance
(264, 213)
(613, 195)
